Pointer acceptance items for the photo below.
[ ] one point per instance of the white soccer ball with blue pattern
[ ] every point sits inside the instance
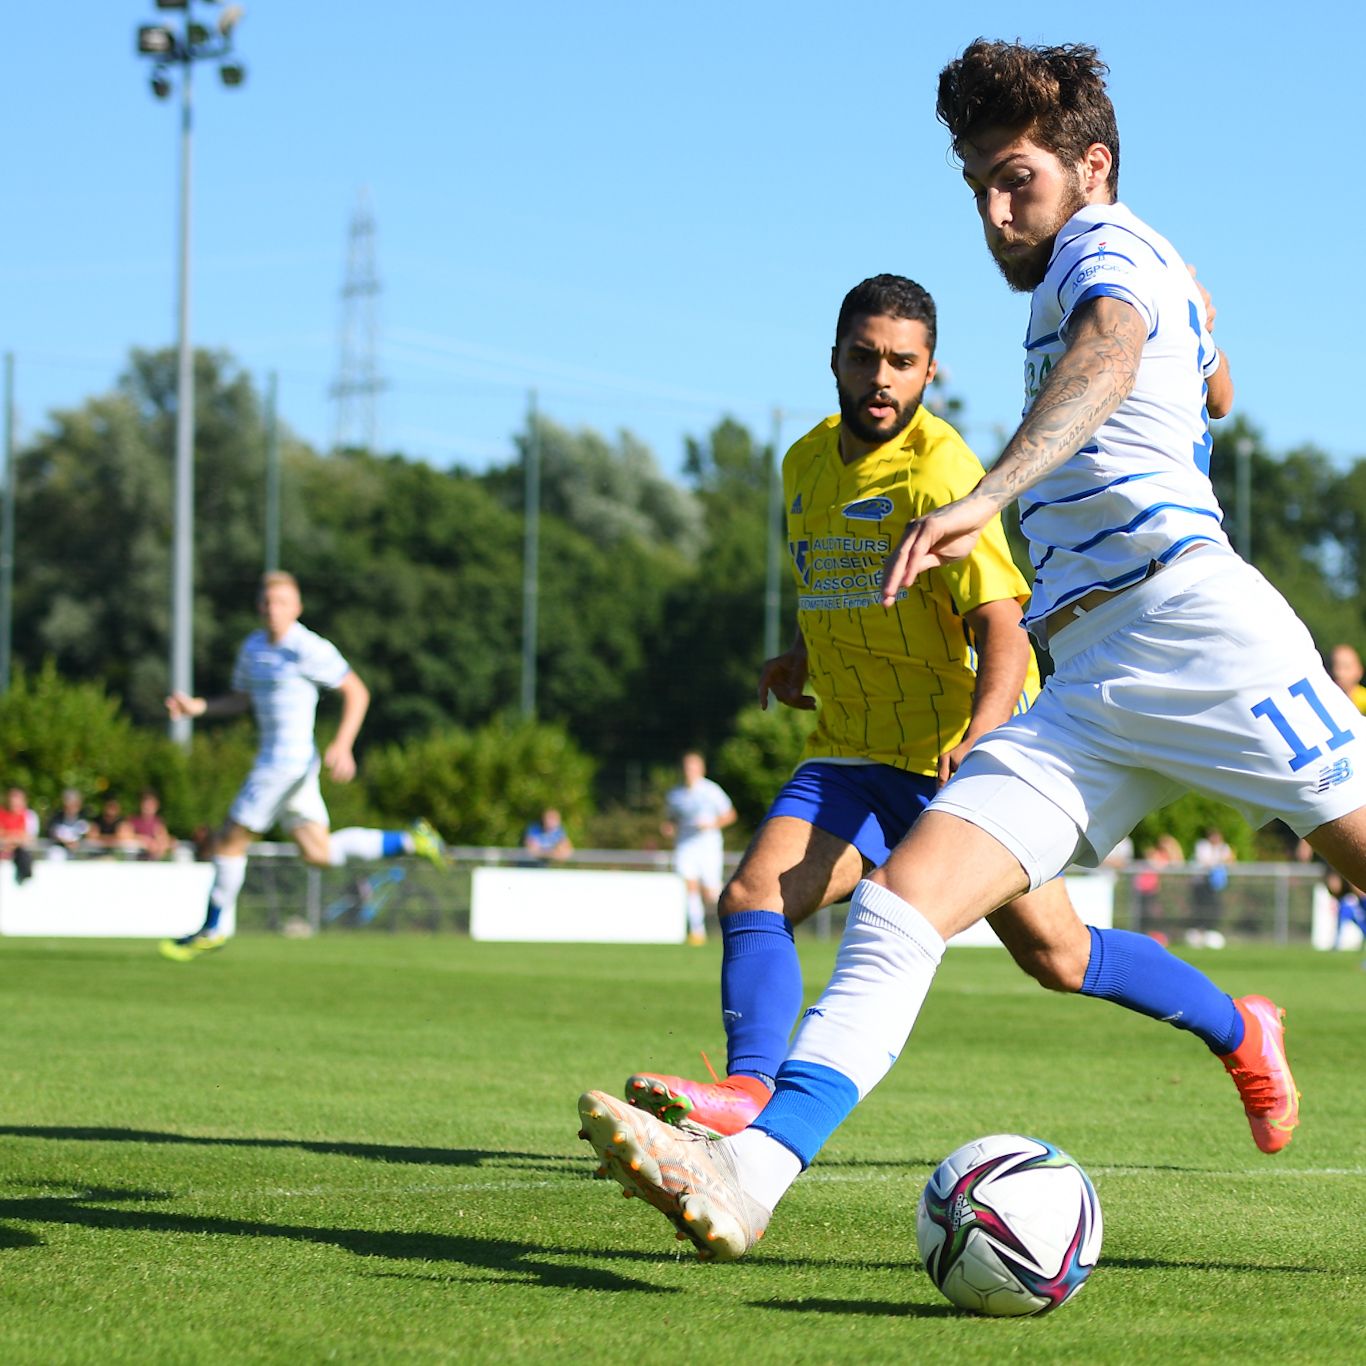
(1008, 1225)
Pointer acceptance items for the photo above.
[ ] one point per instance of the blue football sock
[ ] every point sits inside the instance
(1138, 973)
(761, 991)
(811, 1102)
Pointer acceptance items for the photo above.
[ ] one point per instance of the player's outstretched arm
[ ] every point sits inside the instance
(785, 677)
(338, 758)
(1093, 376)
(229, 704)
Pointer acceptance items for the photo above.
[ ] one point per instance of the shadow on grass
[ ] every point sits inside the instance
(374, 1152)
(517, 1263)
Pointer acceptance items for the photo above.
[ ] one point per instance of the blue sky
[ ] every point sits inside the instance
(648, 213)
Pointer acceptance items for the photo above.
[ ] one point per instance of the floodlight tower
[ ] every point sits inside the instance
(169, 48)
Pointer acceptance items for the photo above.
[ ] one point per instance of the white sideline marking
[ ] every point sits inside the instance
(826, 1178)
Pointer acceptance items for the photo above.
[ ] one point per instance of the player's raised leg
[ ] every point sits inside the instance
(1046, 938)
(789, 871)
(333, 848)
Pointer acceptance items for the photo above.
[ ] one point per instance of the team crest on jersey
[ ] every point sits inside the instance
(869, 509)
(798, 550)
(796, 505)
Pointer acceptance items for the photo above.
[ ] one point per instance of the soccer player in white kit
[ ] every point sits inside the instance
(699, 810)
(1177, 665)
(278, 674)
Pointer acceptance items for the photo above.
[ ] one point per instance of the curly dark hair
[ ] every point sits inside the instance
(888, 296)
(1056, 94)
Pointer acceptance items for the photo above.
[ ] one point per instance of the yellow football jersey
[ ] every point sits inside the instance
(894, 685)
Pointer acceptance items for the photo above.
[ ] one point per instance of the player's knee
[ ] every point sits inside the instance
(734, 897)
(1053, 968)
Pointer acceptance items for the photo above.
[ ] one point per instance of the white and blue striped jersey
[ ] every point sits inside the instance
(1138, 493)
(687, 806)
(283, 682)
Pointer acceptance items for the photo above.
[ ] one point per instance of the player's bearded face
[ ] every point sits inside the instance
(1023, 248)
(881, 366)
(1024, 195)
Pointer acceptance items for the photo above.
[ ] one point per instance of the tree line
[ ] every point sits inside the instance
(651, 590)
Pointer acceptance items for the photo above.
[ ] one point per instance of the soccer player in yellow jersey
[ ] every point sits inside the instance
(903, 695)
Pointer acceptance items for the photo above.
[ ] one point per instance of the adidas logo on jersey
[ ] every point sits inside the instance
(796, 505)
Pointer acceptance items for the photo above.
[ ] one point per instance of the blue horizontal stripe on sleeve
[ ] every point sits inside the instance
(1082, 260)
(1115, 292)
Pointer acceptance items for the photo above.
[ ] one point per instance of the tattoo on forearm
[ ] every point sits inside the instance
(1095, 375)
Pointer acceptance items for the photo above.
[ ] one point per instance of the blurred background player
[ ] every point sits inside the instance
(279, 672)
(698, 810)
(904, 694)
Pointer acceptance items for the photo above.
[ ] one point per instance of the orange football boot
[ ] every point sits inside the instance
(1261, 1073)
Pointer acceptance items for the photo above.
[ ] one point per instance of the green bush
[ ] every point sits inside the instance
(56, 734)
(483, 786)
(759, 757)
(1188, 818)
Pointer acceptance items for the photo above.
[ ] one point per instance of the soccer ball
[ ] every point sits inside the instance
(1008, 1225)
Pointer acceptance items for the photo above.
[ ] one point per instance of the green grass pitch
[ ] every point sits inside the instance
(362, 1149)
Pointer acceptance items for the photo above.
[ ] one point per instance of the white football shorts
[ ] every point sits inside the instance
(1200, 677)
(284, 797)
(699, 859)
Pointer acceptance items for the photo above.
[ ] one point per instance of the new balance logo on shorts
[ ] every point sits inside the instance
(1330, 775)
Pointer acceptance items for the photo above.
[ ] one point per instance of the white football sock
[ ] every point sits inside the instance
(357, 842)
(766, 1167)
(886, 962)
(697, 917)
(229, 872)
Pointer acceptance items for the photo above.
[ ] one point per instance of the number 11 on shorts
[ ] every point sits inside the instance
(1302, 753)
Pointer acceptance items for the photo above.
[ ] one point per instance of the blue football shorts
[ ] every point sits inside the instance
(870, 806)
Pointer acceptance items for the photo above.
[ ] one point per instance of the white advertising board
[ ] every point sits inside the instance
(106, 899)
(577, 905)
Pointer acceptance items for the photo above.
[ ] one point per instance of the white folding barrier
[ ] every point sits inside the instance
(106, 899)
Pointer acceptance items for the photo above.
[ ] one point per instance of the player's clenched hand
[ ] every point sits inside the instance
(1210, 310)
(339, 762)
(785, 676)
(950, 761)
(181, 704)
(945, 535)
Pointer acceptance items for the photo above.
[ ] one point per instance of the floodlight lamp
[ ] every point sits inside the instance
(230, 18)
(173, 4)
(198, 34)
(232, 73)
(161, 85)
(156, 39)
